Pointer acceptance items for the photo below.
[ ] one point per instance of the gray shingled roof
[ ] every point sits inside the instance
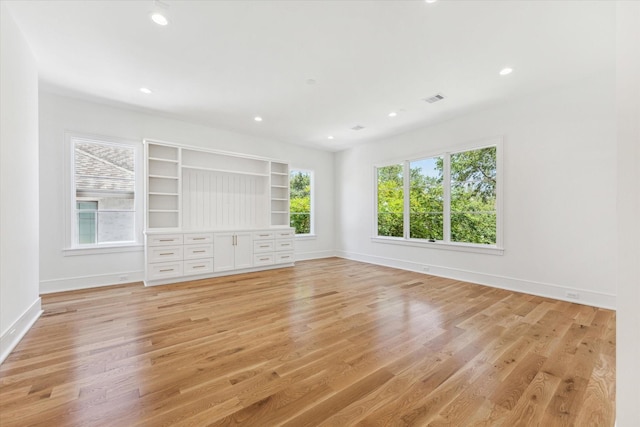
(103, 168)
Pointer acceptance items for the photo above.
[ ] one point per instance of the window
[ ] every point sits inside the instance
(301, 201)
(390, 201)
(449, 198)
(105, 203)
(426, 199)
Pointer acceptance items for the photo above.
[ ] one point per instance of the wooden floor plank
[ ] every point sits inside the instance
(328, 342)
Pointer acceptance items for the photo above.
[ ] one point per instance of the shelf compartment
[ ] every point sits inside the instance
(162, 152)
(162, 168)
(280, 168)
(163, 219)
(224, 163)
(281, 193)
(163, 184)
(280, 218)
(235, 172)
(280, 180)
(161, 202)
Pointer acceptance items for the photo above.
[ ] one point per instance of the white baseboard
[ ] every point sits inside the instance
(86, 282)
(303, 256)
(548, 290)
(12, 336)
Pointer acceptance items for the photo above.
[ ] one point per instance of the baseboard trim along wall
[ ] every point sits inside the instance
(304, 256)
(547, 290)
(86, 282)
(96, 281)
(12, 336)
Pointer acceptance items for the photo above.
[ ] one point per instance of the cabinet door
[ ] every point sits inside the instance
(244, 250)
(223, 252)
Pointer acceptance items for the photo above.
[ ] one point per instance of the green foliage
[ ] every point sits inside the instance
(300, 202)
(473, 196)
(473, 199)
(390, 201)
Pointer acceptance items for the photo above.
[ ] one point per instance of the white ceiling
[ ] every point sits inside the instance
(221, 63)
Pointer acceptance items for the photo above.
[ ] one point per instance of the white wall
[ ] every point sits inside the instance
(19, 300)
(59, 114)
(559, 194)
(628, 316)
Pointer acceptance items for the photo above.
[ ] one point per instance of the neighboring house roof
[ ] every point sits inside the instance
(103, 168)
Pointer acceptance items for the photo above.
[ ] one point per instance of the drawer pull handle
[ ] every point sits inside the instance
(264, 246)
(263, 235)
(285, 244)
(284, 257)
(166, 240)
(198, 252)
(264, 259)
(168, 253)
(166, 269)
(198, 238)
(199, 266)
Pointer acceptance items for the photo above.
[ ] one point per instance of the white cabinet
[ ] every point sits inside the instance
(211, 213)
(232, 251)
(164, 256)
(188, 256)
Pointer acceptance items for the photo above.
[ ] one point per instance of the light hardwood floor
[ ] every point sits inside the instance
(329, 342)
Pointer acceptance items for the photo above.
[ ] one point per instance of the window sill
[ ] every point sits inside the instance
(460, 247)
(97, 250)
(306, 237)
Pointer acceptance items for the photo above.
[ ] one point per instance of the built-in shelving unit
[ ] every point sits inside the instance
(163, 186)
(190, 188)
(279, 194)
(211, 213)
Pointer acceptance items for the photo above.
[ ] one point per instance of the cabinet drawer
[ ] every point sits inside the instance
(284, 245)
(285, 257)
(198, 251)
(198, 238)
(164, 253)
(164, 239)
(263, 235)
(198, 266)
(164, 270)
(260, 246)
(263, 259)
(285, 234)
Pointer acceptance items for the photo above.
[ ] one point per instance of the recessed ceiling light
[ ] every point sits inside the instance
(430, 1)
(330, 137)
(146, 90)
(257, 118)
(506, 71)
(159, 19)
(392, 114)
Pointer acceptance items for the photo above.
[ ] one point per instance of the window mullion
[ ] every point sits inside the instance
(446, 203)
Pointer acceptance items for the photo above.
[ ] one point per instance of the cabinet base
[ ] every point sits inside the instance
(215, 274)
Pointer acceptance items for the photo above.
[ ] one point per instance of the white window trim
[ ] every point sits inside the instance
(70, 230)
(497, 249)
(312, 234)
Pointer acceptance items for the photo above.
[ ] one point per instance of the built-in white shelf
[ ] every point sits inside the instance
(224, 170)
(152, 193)
(189, 188)
(158, 159)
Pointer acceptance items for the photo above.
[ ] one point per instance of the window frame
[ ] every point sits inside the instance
(446, 243)
(71, 247)
(312, 203)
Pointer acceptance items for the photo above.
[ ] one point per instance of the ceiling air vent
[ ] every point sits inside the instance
(435, 98)
(357, 127)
